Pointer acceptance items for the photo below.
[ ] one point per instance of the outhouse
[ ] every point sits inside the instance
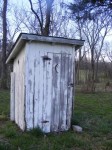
(42, 82)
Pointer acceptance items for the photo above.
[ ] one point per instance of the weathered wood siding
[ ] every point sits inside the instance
(48, 86)
(19, 71)
(12, 97)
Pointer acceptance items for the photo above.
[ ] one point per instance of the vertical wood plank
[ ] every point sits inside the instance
(21, 94)
(56, 92)
(17, 94)
(70, 91)
(66, 61)
(73, 76)
(44, 119)
(64, 91)
(30, 77)
(12, 97)
(48, 94)
(37, 89)
(19, 66)
(41, 94)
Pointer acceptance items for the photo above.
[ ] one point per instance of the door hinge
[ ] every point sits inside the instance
(45, 121)
(46, 57)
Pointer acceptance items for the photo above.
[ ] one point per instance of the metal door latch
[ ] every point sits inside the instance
(71, 85)
(46, 57)
(45, 121)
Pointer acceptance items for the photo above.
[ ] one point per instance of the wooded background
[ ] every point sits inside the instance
(90, 20)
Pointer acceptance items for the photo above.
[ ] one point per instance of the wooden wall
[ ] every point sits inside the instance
(49, 92)
(19, 73)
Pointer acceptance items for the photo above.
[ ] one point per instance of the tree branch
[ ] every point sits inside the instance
(36, 16)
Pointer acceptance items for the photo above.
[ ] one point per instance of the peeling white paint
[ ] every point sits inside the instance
(43, 97)
(19, 71)
(12, 97)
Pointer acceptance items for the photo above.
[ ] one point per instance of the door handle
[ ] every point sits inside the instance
(71, 85)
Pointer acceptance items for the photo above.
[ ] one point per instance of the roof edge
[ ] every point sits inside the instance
(47, 39)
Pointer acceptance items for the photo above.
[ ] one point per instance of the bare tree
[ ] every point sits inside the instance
(4, 45)
(44, 15)
(100, 44)
(95, 31)
(59, 19)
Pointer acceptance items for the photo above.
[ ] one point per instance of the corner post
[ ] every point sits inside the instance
(12, 97)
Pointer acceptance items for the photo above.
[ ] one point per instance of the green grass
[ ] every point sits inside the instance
(92, 111)
(4, 105)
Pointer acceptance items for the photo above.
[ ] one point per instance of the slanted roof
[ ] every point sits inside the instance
(24, 37)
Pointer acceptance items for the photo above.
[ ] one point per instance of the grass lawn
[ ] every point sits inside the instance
(92, 111)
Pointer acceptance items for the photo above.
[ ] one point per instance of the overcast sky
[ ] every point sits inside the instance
(25, 3)
(19, 2)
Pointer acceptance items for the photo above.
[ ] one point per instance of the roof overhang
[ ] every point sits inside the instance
(24, 37)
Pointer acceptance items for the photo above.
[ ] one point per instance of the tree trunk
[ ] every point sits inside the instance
(79, 62)
(92, 71)
(44, 24)
(78, 67)
(96, 70)
(48, 15)
(4, 46)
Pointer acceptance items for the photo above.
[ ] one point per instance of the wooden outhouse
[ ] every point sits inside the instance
(42, 82)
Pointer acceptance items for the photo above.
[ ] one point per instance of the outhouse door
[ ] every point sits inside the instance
(58, 91)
